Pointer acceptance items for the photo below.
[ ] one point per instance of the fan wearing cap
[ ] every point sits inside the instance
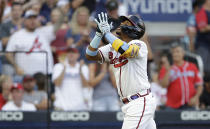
(127, 55)
(33, 41)
(38, 98)
(112, 8)
(70, 77)
(17, 103)
(9, 27)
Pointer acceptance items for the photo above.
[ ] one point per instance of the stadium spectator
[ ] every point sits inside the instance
(2, 6)
(6, 30)
(41, 82)
(158, 91)
(191, 26)
(112, 12)
(90, 4)
(59, 43)
(6, 11)
(105, 96)
(203, 35)
(5, 86)
(80, 31)
(112, 8)
(204, 99)
(100, 7)
(38, 98)
(70, 77)
(17, 103)
(182, 80)
(46, 9)
(13, 25)
(36, 43)
(64, 5)
(36, 7)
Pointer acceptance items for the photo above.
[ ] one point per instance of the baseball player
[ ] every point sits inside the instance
(128, 57)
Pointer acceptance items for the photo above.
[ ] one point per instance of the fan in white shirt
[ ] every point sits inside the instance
(17, 104)
(32, 45)
(69, 78)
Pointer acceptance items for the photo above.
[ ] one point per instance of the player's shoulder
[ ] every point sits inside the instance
(139, 43)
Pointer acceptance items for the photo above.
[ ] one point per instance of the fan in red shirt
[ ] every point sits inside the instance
(182, 80)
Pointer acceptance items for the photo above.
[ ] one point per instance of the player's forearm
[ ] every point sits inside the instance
(92, 50)
(58, 24)
(128, 51)
(76, 3)
(117, 44)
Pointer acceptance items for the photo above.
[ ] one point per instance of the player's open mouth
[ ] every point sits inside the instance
(118, 32)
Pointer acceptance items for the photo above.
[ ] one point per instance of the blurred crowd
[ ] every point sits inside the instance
(43, 64)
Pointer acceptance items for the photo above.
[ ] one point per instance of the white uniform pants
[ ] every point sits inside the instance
(139, 113)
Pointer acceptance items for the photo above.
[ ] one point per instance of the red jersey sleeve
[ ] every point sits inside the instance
(201, 19)
(198, 78)
(162, 73)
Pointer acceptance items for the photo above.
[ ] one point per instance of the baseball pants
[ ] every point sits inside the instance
(139, 113)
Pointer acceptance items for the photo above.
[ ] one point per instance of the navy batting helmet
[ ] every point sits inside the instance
(137, 30)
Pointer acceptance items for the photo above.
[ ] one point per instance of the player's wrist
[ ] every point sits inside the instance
(98, 34)
(91, 52)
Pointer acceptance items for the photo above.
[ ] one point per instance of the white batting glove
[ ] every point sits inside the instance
(103, 24)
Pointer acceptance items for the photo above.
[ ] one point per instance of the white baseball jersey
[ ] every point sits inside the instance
(33, 43)
(130, 73)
